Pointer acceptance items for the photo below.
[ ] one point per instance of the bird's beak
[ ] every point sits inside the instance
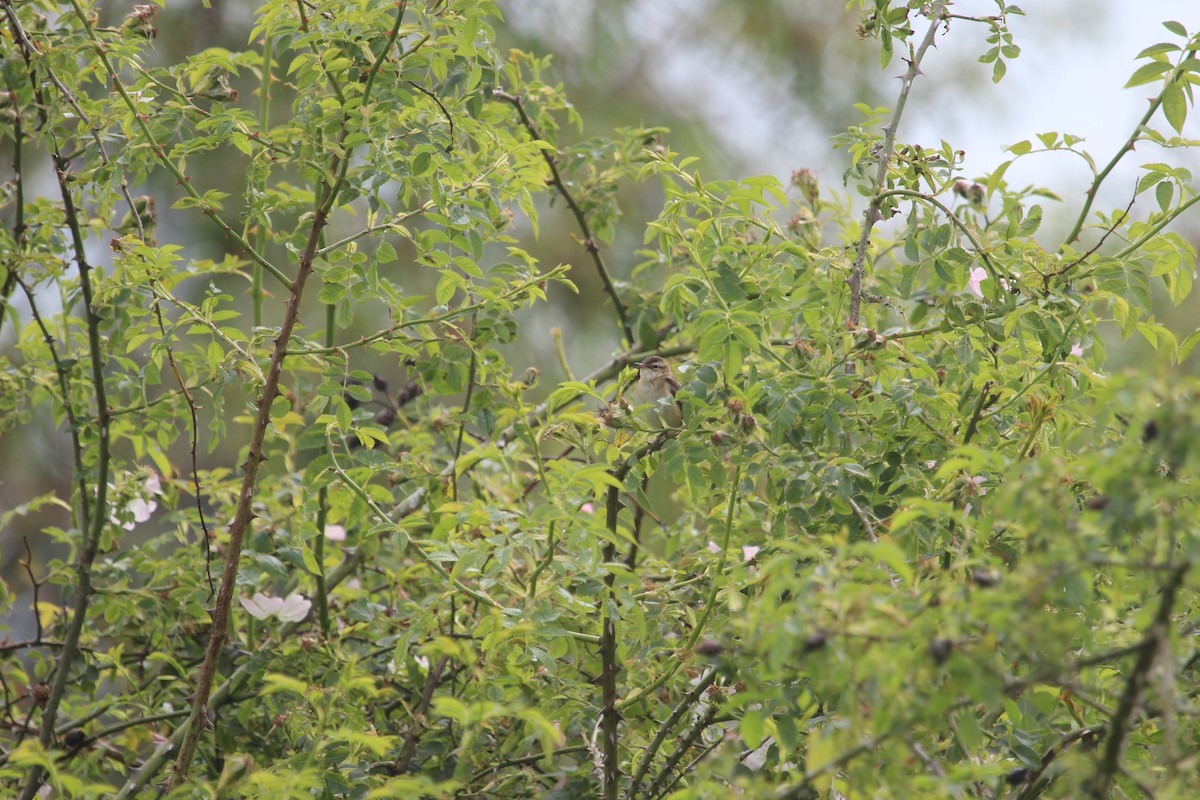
(638, 364)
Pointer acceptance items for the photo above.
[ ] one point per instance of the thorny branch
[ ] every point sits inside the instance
(872, 214)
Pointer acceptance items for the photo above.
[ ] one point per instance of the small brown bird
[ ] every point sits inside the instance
(656, 388)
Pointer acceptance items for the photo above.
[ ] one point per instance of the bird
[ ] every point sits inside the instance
(656, 387)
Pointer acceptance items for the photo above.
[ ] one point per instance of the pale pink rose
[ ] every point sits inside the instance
(261, 606)
(713, 547)
(1076, 350)
(335, 533)
(587, 508)
(141, 510)
(978, 275)
(295, 608)
(292, 609)
(749, 552)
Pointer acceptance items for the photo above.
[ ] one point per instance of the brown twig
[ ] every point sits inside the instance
(887, 148)
(27, 563)
(191, 404)
(1058, 273)
(688, 742)
(977, 413)
(244, 513)
(685, 704)
(410, 740)
(589, 241)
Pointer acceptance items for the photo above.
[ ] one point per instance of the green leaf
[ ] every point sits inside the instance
(1175, 28)
(752, 728)
(1031, 223)
(1147, 73)
(1155, 49)
(385, 253)
(1189, 344)
(1174, 104)
(310, 558)
(998, 70)
(280, 406)
(1163, 193)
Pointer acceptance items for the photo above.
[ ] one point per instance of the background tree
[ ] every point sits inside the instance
(911, 540)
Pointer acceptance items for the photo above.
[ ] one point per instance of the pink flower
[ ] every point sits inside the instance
(141, 510)
(335, 533)
(978, 275)
(978, 481)
(292, 609)
(749, 552)
(1076, 350)
(587, 508)
(142, 506)
(713, 547)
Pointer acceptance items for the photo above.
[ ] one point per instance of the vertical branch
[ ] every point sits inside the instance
(466, 407)
(610, 714)
(1135, 685)
(589, 241)
(92, 520)
(610, 717)
(244, 515)
(322, 591)
(872, 215)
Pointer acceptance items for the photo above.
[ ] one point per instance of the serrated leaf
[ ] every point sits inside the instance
(1163, 194)
(1189, 344)
(1155, 49)
(1174, 105)
(385, 253)
(1147, 73)
(1031, 223)
(310, 558)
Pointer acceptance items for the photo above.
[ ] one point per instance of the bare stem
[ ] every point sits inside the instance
(887, 148)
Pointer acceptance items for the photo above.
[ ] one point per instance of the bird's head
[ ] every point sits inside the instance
(653, 367)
